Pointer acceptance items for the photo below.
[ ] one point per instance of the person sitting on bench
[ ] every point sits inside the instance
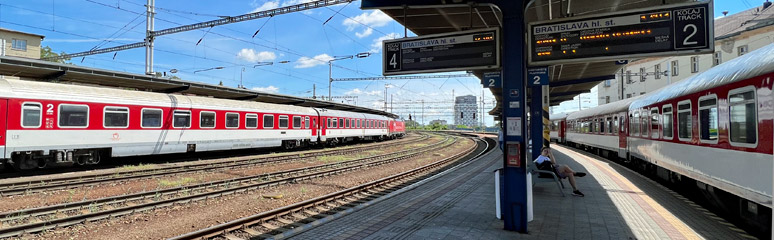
(547, 161)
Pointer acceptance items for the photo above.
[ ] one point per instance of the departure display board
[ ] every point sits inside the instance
(666, 30)
(458, 51)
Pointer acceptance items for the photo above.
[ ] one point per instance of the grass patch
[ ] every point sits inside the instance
(177, 182)
(138, 167)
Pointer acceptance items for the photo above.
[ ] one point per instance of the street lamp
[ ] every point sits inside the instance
(336, 58)
(208, 69)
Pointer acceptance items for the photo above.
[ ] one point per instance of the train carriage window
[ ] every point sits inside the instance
(684, 121)
(645, 124)
(181, 119)
(116, 117)
(667, 123)
(335, 123)
(654, 123)
(251, 121)
(602, 125)
(708, 118)
(73, 115)
(283, 121)
(341, 123)
(635, 124)
(306, 122)
(207, 119)
(268, 121)
(610, 125)
(31, 115)
(296, 122)
(329, 122)
(151, 118)
(232, 120)
(358, 123)
(742, 116)
(615, 125)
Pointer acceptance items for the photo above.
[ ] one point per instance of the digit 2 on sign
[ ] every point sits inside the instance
(685, 29)
(491, 82)
(537, 80)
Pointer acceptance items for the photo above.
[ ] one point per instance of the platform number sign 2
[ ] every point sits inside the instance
(392, 57)
(690, 27)
(537, 76)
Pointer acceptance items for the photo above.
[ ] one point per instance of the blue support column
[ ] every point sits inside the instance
(538, 78)
(514, 198)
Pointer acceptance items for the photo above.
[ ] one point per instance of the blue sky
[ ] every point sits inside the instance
(301, 38)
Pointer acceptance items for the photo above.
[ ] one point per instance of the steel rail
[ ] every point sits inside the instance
(313, 209)
(93, 210)
(18, 188)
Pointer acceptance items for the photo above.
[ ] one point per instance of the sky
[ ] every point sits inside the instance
(307, 40)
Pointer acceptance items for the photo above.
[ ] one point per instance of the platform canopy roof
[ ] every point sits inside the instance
(425, 17)
(68, 73)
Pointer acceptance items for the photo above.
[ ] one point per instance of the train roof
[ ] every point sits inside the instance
(558, 116)
(70, 92)
(753, 64)
(613, 107)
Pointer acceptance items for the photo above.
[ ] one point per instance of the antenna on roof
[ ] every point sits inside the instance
(725, 13)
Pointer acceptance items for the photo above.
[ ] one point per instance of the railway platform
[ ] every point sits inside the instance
(460, 204)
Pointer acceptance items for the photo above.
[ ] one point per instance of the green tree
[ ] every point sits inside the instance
(46, 52)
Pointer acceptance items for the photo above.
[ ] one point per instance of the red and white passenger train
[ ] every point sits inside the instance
(47, 123)
(714, 129)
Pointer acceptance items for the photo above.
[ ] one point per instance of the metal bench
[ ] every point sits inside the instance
(536, 176)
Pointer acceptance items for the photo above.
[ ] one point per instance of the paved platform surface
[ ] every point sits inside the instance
(619, 204)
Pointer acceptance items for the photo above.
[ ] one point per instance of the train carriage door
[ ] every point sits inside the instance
(3, 126)
(622, 132)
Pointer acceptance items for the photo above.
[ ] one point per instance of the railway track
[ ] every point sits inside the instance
(61, 183)
(276, 222)
(62, 215)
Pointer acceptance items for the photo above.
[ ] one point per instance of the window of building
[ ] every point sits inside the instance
(116, 117)
(268, 121)
(306, 122)
(608, 83)
(73, 115)
(19, 44)
(629, 76)
(207, 119)
(675, 68)
(742, 115)
(695, 64)
(296, 122)
(232, 120)
(657, 70)
(462, 114)
(607, 99)
(742, 50)
(251, 121)
(654, 117)
(717, 58)
(31, 115)
(151, 118)
(628, 95)
(684, 123)
(181, 119)
(283, 121)
(666, 116)
(643, 75)
(708, 118)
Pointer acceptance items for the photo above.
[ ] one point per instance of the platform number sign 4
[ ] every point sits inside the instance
(690, 28)
(392, 57)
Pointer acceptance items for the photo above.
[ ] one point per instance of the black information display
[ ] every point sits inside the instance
(669, 30)
(459, 51)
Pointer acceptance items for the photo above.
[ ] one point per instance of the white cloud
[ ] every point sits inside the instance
(251, 56)
(306, 62)
(357, 91)
(375, 18)
(376, 46)
(269, 89)
(266, 6)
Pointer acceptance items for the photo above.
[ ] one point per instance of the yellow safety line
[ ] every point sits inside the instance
(669, 217)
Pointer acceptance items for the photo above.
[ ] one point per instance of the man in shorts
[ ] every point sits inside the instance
(546, 161)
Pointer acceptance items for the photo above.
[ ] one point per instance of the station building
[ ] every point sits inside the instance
(735, 35)
(465, 109)
(19, 44)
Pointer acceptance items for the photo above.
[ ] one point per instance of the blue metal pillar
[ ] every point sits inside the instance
(514, 197)
(537, 81)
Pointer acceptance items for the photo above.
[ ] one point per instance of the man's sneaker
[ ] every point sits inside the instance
(580, 174)
(577, 193)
